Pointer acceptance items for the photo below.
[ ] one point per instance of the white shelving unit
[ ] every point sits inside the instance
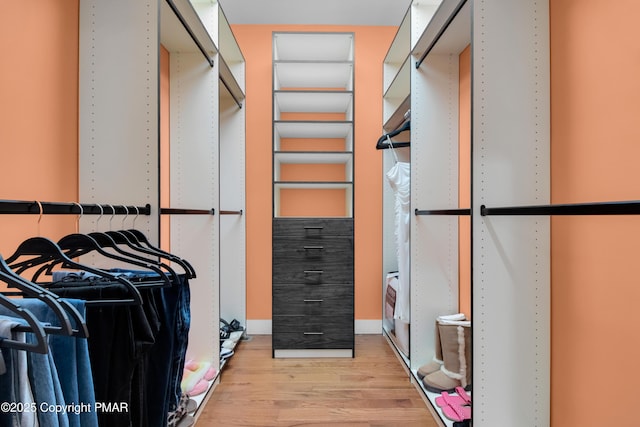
(119, 125)
(510, 157)
(313, 100)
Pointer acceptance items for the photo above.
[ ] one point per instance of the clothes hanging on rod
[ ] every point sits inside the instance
(137, 318)
(61, 375)
(399, 178)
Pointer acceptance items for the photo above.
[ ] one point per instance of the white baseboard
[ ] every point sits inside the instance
(263, 326)
(373, 327)
(259, 326)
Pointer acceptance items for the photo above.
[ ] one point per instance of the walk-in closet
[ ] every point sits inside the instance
(280, 213)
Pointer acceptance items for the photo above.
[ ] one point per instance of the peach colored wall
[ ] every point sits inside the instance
(595, 64)
(165, 148)
(372, 44)
(464, 183)
(38, 114)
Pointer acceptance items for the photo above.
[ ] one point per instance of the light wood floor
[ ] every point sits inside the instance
(370, 390)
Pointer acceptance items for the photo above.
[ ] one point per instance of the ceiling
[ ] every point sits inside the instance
(315, 12)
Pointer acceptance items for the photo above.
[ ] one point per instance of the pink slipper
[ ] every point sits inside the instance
(210, 374)
(446, 399)
(199, 388)
(457, 412)
(191, 365)
(464, 395)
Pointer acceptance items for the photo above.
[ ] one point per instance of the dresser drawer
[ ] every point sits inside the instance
(313, 300)
(313, 324)
(297, 261)
(299, 341)
(299, 332)
(312, 228)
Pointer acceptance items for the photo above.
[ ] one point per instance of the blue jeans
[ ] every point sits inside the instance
(168, 358)
(72, 364)
(8, 378)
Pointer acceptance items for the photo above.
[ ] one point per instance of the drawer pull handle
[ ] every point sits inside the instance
(313, 300)
(313, 227)
(313, 333)
(313, 271)
(312, 248)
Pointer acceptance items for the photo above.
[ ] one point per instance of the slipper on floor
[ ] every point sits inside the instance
(446, 399)
(186, 421)
(200, 387)
(192, 405)
(210, 374)
(225, 353)
(236, 335)
(193, 373)
(464, 395)
(457, 412)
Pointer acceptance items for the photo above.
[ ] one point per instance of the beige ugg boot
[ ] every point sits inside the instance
(455, 339)
(436, 363)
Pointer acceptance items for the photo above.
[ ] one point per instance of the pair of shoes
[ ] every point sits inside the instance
(186, 421)
(232, 340)
(455, 346)
(455, 407)
(462, 398)
(174, 419)
(225, 353)
(437, 361)
(231, 327)
(196, 377)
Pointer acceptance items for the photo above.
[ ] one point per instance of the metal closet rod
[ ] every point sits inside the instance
(440, 33)
(69, 208)
(178, 211)
(189, 30)
(630, 207)
(458, 212)
(240, 212)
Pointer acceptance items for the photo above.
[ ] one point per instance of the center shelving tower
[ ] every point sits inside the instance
(313, 278)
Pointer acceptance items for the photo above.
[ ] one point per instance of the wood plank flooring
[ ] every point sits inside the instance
(370, 390)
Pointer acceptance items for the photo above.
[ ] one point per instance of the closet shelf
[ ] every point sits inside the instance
(630, 207)
(325, 185)
(398, 116)
(443, 18)
(315, 157)
(313, 46)
(181, 30)
(229, 82)
(400, 87)
(398, 52)
(313, 129)
(306, 74)
(301, 101)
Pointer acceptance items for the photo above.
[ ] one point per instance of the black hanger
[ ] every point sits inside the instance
(60, 307)
(137, 239)
(383, 143)
(77, 244)
(35, 328)
(45, 250)
(114, 240)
